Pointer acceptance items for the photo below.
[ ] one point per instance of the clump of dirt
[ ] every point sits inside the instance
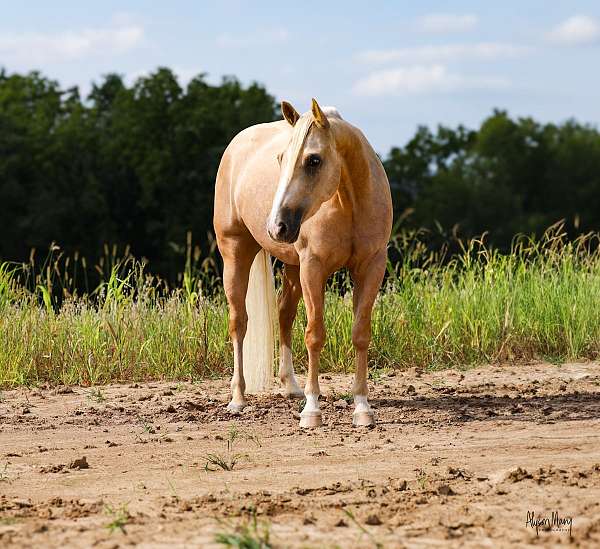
(79, 463)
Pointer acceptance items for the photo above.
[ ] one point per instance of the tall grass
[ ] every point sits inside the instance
(541, 300)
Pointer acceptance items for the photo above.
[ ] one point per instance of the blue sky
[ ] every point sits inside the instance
(387, 66)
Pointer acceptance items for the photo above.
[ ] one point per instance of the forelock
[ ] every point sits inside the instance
(300, 131)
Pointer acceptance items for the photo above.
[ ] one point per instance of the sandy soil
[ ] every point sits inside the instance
(457, 459)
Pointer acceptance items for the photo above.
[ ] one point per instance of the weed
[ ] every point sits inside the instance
(375, 375)
(96, 395)
(436, 383)
(227, 463)
(4, 476)
(172, 488)
(347, 396)
(363, 530)
(250, 534)
(230, 458)
(148, 428)
(120, 517)
(422, 478)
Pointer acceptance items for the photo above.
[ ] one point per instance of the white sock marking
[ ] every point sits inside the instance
(361, 405)
(311, 406)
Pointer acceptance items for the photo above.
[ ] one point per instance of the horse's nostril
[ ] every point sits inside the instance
(281, 228)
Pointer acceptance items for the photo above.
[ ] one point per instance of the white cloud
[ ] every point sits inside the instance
(266, 37)
(444, 52)
(422, 79)
(35, 47)
(579, 29)
(440, 23)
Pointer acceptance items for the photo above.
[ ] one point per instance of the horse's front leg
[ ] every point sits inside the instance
(367, 280)
(312, 280)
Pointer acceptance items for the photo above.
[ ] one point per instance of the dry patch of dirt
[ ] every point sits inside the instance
(457, 459)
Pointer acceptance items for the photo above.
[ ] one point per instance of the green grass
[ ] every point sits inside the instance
(249, 534)
(227, 460)
(96, 395)
(119, 518)
(363, 530)
(4, 475)
(541, 301)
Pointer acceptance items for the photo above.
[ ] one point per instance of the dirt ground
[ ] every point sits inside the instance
(457, 459)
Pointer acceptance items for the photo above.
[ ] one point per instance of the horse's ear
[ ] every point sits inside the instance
(320, 118)
(289, 113)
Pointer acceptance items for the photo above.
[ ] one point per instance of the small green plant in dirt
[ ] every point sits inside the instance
(347, 396)
(436, 383)
(172, 489)
(375, 374)
(4, 477)
(147, 428)
(362, 529)
(96, 395)
(119, 517)
(422, 478)
(250, 534)
(228, 460)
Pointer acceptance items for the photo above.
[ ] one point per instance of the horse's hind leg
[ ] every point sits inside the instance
(367, 281)
(288, 305)
(238, 254)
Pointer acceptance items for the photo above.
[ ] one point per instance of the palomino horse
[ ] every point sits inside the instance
(310, 191)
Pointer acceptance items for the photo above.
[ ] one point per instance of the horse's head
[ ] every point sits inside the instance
(309, 174)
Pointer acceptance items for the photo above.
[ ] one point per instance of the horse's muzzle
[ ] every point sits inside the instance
(286, 226)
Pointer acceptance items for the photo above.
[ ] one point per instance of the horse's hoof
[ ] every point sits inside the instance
(363, 419)
(235, 407)
(311, 420)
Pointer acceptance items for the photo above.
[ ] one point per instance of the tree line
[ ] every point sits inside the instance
(135, 165)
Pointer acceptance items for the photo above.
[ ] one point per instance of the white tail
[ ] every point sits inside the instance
(259, 343)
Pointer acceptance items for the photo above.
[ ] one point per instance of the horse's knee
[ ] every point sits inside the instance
(361, 336)
(238, 323)
(314, 337)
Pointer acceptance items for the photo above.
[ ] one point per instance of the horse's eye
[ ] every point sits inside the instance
(314, 160)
